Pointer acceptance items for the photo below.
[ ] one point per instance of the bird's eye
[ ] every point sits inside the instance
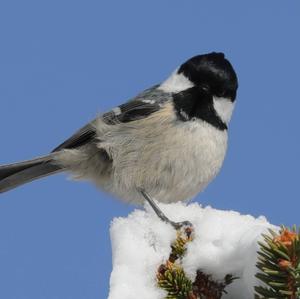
(204, 87)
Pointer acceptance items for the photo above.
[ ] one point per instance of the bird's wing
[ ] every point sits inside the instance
(137, 108)
(144, 104)
(82, 136)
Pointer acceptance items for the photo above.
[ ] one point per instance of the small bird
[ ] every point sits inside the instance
(166, 143)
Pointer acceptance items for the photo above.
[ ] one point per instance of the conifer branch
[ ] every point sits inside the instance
(172, 278)
(279, 265)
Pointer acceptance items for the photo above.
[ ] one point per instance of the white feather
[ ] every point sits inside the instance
(149, 101)
(224, 108)
(117, 111)
(176, 83)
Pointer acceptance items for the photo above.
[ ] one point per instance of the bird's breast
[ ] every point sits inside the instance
(194, 158)
(172, 162)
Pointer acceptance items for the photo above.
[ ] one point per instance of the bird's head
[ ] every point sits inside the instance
(204, 87)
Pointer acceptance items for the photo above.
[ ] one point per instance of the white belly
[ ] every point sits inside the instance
(171, 163)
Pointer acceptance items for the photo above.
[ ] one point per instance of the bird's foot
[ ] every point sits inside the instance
(184, 225)
(181, 225)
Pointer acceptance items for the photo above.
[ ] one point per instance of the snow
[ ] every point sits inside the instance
(225, 242)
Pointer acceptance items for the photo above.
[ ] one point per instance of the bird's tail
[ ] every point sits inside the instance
(17, 174)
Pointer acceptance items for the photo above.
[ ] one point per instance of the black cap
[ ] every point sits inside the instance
(213, 72)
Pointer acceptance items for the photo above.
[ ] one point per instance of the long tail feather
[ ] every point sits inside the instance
(14, 175)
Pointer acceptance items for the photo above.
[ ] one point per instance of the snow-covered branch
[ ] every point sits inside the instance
(224, 243)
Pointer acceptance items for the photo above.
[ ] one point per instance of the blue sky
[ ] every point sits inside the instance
(63, 62)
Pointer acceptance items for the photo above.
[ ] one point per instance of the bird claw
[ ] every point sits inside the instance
(181, 225)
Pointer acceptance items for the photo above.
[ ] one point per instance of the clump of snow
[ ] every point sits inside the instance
(225, 242)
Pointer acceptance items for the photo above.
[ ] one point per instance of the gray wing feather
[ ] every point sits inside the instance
(82, 136)
(141, 106)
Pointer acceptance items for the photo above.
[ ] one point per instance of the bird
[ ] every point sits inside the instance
(167, 143)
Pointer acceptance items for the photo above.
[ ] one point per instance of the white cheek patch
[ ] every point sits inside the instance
(176, 83)
(224, 108)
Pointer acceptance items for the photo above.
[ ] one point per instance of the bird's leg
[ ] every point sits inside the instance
(161, 215)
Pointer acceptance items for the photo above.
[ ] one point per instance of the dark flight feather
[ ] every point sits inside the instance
(139, 107)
